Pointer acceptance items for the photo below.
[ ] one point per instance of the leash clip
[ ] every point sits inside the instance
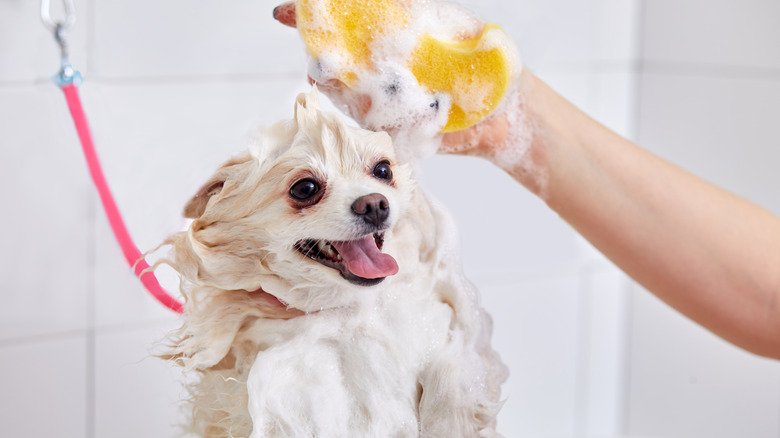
(67, 75)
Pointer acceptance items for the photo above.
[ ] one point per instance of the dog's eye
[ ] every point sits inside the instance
(304, 189)
(382, 171)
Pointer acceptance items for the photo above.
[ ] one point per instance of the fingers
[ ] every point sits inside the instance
(356, 104)
(285, 14)
(461, 142)
(477, 140)
(482, 139)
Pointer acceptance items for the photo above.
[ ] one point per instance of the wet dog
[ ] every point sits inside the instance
(325, 298)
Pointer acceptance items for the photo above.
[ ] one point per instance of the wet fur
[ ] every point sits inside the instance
(409, 357)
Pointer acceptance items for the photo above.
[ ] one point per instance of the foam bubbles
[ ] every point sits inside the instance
(366, 47)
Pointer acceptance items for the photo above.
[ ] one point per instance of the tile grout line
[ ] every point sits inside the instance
(714, 71)
(624, 397)
(89, 62)
(628, 287)
(734, 72)
(163, 80)
(83, 332)
(92, 257)
(45, 337)
(582, 386)
(91, 358)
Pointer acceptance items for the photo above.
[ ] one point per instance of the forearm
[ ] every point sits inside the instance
(709, 254)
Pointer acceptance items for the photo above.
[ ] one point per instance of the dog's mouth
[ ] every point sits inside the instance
(360, 261)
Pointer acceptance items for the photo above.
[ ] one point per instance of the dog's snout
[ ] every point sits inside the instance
(373, 209)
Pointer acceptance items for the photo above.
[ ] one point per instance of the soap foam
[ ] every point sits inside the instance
(399, 104)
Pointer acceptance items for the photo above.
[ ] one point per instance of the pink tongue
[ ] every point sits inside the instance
(363, 258)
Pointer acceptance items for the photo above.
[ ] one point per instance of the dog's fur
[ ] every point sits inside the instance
(285, 346)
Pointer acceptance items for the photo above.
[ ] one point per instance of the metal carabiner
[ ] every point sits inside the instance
(66, 75)
(54, 26)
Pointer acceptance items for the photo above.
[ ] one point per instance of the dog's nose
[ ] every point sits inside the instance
(373, 209)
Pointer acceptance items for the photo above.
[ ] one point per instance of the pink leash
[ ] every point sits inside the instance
(131, 252)
(68, 79)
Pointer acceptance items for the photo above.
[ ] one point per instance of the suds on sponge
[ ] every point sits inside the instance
(418, 67)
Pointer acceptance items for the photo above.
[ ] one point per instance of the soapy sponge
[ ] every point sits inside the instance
(474, 72)
(346, 29)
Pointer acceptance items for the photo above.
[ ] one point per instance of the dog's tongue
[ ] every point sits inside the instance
(363, 258)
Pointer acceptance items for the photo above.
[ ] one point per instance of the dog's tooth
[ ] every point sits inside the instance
(326, 248)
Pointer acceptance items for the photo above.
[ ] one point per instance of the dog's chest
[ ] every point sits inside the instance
(357, 372)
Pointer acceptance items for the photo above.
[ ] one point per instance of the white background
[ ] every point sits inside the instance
(175, 87)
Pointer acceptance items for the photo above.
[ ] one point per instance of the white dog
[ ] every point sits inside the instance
(325, 297)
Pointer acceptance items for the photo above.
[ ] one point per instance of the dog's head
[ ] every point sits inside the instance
(305, 211)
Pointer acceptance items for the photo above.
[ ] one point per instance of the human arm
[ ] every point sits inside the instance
(709, 254)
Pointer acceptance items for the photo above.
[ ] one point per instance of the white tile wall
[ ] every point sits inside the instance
(183, 39)
(713, 33)
(606, 93)
(616, 30)
(722, 129)
(530, 316)
(561, 333)
(615, 95)
(173, 88)
(159, 143)
(28, 50)
(136, 394)
(548, 33)
(685, 382)
(44, 387)
(45, 216)
(708, 97)
(565, 34)
(515, 232)
(575, 86)
(603, 345)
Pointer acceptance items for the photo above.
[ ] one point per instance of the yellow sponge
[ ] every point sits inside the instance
(475, 72)
(351, 27)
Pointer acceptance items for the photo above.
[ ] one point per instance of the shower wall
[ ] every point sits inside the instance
(709, 100)
(174, 88)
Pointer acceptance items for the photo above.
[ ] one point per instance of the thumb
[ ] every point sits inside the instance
(285, 14)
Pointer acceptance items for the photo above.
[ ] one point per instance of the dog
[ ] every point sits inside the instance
(325, 297)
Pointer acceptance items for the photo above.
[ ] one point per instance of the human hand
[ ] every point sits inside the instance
(354, 103)
(487, 138)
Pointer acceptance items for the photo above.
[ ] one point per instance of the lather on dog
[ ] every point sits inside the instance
(325, 297)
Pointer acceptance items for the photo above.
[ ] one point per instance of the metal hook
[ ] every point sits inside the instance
(67, 74)
(70, 16)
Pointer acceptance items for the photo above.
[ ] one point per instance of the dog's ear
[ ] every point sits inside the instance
(229, 170)
(307, 108)
(197, 205)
